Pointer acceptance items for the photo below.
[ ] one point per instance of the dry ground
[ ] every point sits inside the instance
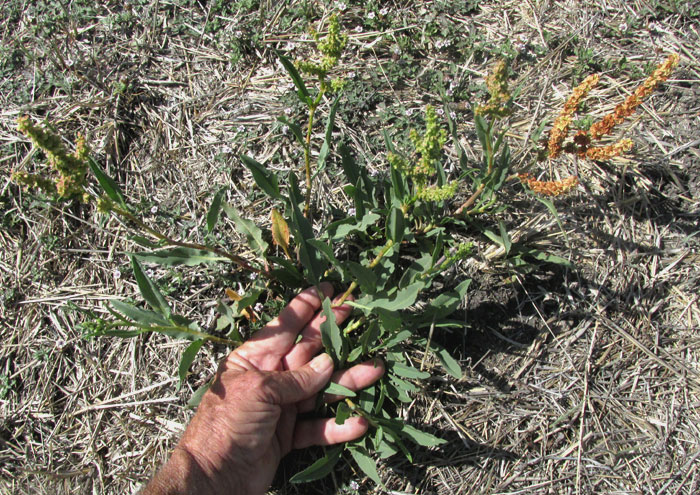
(575, 381)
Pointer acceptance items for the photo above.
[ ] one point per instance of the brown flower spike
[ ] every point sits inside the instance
(549, 187)
(581, 143)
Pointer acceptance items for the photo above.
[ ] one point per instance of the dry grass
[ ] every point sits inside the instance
(579, 381)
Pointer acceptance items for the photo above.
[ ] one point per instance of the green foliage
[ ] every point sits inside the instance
(394, 252)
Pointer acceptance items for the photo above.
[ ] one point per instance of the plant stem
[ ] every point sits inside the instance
(307, 149)
(192, 245)
(471, 199)
(161, 328)
(389, 244)
(354, 408)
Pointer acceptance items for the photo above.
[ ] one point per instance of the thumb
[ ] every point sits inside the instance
(302, 383)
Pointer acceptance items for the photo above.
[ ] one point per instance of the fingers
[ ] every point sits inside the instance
(327, 432)
(310, 342)
(265, 349)
(356, 378)
(289, 387)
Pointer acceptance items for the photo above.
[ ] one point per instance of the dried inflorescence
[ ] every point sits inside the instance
(627, 108)
(560, 129)
(581, 144)
(71, 167)
(549, 187)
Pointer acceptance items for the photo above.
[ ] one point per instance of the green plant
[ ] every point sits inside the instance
(394, 249)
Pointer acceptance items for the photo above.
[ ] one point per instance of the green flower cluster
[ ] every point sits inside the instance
(331, 47)
(438, 193)
(497, 85)
(71, 167)
(428, 149)
(429, 146)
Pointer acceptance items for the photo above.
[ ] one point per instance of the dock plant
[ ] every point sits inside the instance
(394, 251)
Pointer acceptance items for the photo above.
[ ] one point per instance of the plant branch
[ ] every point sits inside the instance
(192, 245)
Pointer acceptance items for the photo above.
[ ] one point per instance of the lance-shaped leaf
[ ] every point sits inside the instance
(336, 389)
(138, 315)
(186, 360)
(421, 437)
(326, 146)
(295, 128)
(365, 463)
(215, 209)
(110, 187)
(395, 226)
(331, 336)
(402, 300)
(180, 256)
(342, 413)
(249, 229)
(302, 92)
(149, 290)
(341, 229)
(280, 231)
(320, 468)
(266, 180)
(311, 258)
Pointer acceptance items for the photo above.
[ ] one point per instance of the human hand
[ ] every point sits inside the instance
(247, 420)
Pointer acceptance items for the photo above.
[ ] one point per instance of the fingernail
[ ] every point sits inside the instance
(321, 363)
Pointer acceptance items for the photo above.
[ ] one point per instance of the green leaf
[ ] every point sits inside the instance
(482, 132)
(266, 180)
(302, 92)
(295, 128)
(326, 250)
(408, 371)
(339, 230)
(505, 237)
(448, 362)
(395, 226)
(197, 396)
(342, 413)
(331, 335)
(287, 273)
(403, 299)
(138, 315)
(402, 384)
(110, 187)
(352, 171)
(147, 243)
(227, 319)
(553, 210)
(396, 339)
(149, 290)
(328, 138)
(310, 257)
(365, 462)
(249, 229)
(421, 437)
(180, 256)
(365, 277)
(215, 209)
(347, 228)
(186, 360)
(399, 186)
(336, 389)
(320, 468)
